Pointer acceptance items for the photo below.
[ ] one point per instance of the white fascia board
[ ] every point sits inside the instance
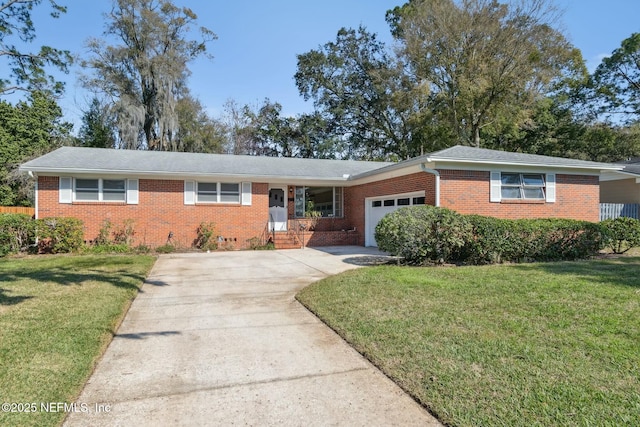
(486, 165)
(388, 172)
(97, 173)
(617, 175)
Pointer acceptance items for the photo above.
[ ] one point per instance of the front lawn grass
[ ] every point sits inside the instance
(57, 315)
(517, 345)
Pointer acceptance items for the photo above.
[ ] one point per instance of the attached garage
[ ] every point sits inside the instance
(378, 207)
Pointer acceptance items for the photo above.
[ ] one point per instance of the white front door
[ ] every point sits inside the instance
(277, 209)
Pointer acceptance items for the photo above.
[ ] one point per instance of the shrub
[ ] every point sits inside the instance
(17, 233)
(426, 233)
(423, 233)
(205, 239)
(166, 249)
(621, 234)
(500, 240)
(256, 244)
(60, 235)
(104, 234)
(109, 248)
(124, 234)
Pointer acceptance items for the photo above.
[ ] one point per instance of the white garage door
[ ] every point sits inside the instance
(377, 207)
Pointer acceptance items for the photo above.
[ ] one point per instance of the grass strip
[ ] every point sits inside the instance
(57, 315)
(517, 345)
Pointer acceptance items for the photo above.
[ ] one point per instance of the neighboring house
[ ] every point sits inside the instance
(622, 186)
(620, 192)
(170, 194)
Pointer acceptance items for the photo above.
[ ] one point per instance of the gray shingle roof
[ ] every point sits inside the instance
(481, 155)
(100, 160)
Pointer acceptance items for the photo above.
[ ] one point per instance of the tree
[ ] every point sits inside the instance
(27, 130)
(362, 93)
(26, 70)
(146, 74)
(98, 129)
(237, 121)
(617, 80)
(197, 132)
(483, 62)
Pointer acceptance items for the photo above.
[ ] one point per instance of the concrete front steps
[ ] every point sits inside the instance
(285, 240)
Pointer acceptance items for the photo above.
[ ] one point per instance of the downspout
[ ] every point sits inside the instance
(437, 175)
(35, 194)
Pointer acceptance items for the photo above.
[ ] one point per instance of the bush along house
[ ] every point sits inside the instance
(165, 196)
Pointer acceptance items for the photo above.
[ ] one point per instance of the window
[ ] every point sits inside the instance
(326, 200)
(405, 201)
(218, 192)
(100, 190)
(389, 202)
(113, 190)
(522, 186)
(88, 189)
(418, 200)
(376, 203)
(229, 193)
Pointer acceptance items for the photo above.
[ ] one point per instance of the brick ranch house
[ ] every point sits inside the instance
(167, 195)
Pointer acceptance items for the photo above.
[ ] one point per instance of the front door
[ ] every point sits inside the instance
(277, 209)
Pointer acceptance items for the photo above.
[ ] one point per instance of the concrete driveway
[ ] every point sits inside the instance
(218, 339)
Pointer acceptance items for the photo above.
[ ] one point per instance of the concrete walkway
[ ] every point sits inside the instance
(218, 339)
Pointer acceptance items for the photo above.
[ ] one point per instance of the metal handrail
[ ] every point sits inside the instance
(298, 231)
(268, 231)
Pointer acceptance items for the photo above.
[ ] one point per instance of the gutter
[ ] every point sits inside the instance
(437, 175)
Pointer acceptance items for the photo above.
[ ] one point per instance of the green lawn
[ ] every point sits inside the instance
(57, 314)
(529, 344)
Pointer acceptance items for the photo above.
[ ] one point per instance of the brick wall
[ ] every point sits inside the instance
(161, 210)
(354, 197)
(161, 207)
(467, 192)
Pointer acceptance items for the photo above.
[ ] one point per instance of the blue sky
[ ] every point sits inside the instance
(258, 40)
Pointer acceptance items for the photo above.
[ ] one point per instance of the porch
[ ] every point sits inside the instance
(300, 233)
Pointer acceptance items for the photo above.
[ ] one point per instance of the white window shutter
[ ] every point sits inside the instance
(132, 191)
(496, 187)
(551, 187)
(189, 192)
(246, 193)
(65, 190)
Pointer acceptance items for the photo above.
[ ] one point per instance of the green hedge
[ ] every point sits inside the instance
(60, 235)
(17, 233)
(502, 240)
(621, 234)
(422, 234)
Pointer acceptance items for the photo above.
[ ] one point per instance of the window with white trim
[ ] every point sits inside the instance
(522, 186)
(326, 200)
(100, 190)
(218, 192)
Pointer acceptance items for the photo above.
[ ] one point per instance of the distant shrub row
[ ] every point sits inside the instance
(428, 234)
(21, 233)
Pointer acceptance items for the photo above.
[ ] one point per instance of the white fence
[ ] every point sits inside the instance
(615, 210)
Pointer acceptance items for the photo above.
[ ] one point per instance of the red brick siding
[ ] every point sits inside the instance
(161, 210)
(354, 197)
(467, 192)
(161, 207)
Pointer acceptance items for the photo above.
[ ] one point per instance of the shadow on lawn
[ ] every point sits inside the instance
(623, 271)
(11, 300)
(77, 271)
